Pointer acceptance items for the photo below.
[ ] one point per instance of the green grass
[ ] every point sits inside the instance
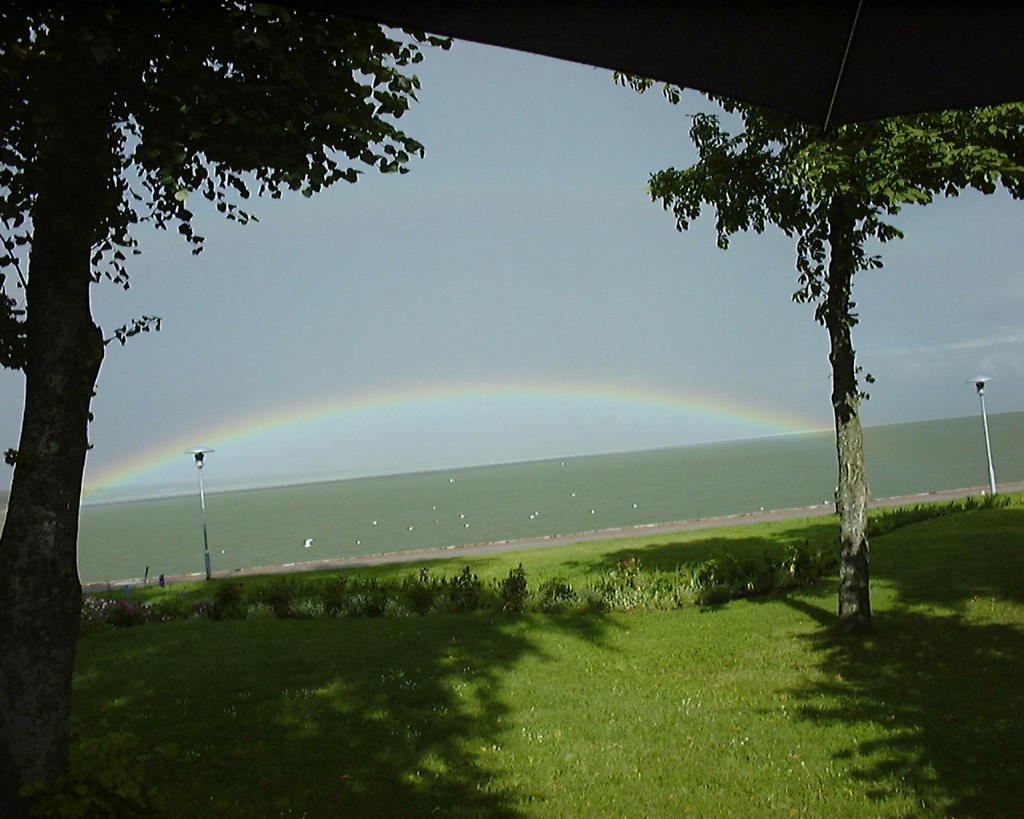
(753, 708)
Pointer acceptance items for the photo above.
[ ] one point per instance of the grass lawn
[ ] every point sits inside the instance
(752, 708)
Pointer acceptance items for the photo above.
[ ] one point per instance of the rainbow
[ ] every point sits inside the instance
(259, 427)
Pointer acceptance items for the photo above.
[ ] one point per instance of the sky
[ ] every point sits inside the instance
(518, 296)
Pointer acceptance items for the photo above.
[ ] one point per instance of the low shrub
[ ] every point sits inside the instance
(282, 597)
(124, 613)
(464, 591)
(172, 608)
(761, 576)
(513, 589)
(368, 603)
(101, 612)
(718, 571)
(626, 587)
(555, 594)
(883, 521)
(227, 602)
(206, 608)
(336, 595)
(724, 578)
(419, 593)
(668, 590)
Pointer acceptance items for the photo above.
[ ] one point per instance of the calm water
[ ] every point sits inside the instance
(492, 503)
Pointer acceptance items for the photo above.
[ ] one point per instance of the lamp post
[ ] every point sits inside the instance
(979, 385)
(199, 453)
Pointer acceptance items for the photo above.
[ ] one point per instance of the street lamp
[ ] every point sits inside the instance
(199, 453)
(979, 385)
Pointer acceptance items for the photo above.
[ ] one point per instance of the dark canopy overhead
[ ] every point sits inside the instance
(828, 62)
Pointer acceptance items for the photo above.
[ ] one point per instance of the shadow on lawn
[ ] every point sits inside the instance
(325, 718)
(819, 533)
(940, 677)
(947, 695)
(975, 554)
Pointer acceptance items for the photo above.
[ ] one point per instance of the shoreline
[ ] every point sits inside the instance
(527, 544)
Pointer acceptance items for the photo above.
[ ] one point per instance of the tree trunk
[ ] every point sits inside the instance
(852, 488)
(40, 593)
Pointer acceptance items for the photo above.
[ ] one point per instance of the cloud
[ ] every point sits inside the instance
(964, 345)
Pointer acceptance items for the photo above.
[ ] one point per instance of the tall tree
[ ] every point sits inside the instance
(835, 193)
(115, 114)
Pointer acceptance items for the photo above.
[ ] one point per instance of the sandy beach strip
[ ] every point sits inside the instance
(526, 544)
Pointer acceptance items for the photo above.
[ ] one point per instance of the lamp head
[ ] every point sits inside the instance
(979, 382)
(198, 453)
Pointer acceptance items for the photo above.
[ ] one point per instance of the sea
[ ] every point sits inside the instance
(130, 540)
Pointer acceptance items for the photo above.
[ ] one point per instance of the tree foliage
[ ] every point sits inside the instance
(219, 100)
(836, 194)
(758, 168)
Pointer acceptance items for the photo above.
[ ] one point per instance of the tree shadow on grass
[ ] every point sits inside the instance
(322, 718)
(951, 562)
(932, 696)
(671, 555)
(933, 705)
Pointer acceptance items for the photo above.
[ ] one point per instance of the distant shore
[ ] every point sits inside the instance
(525, 544)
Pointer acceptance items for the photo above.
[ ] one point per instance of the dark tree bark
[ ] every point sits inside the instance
(40, 593)
(852, 487)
